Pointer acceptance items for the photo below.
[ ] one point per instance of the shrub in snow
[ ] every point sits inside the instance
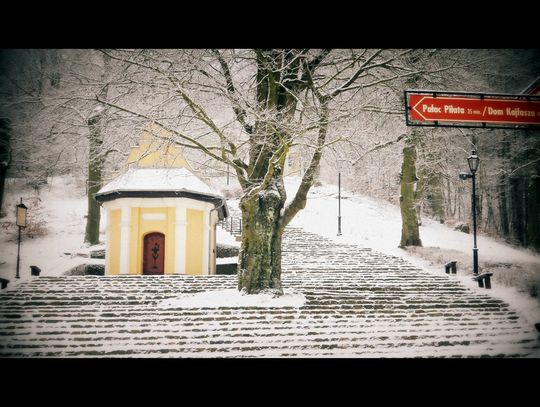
(463, 227)
(86, 270)
(227, 269)
(226, 250)
(37, 183)
(97, 254)
(36, 225)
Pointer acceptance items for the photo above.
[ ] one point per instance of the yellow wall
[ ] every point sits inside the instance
(170, 242)
(293, 164)
(135, 266)
(194, 241)
(113, 250)
(141, 227)
(155, 149)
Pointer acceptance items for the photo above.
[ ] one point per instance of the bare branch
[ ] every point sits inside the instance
(238, 111)
(379, 147)
(300, 199)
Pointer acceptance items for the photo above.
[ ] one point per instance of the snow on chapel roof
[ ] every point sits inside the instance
(162, 182)
(158, 179)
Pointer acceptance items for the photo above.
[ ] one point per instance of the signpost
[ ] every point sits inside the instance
(473, 110)
(461, 109)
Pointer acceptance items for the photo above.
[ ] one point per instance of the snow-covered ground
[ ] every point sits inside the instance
(234, 298)
(365, 222)
(62, 208)
(377, 225)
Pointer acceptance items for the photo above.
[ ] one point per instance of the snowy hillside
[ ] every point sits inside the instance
(60, 208)
(365, 222)
(377, 225)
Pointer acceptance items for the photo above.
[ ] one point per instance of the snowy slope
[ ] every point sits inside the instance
(377, 225)
(366, 222)
(63, 210)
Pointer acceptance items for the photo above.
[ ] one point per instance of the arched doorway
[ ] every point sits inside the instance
(154, 253)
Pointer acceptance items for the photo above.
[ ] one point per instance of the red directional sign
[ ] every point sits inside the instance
(433, 108)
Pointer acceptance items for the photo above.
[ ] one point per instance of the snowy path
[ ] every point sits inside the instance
(359, 303)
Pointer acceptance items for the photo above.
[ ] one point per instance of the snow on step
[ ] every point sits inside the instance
(359, 303)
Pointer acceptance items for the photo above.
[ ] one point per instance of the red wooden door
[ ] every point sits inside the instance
(154, 253)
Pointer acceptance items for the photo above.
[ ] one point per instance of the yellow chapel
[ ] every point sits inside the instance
(161, 218)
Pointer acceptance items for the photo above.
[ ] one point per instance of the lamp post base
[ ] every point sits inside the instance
(18, 253)
(475, 261)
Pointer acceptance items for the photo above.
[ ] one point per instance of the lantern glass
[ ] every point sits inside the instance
(21, 215)
(474, 161)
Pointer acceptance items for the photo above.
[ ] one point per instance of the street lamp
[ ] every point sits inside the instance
(21, 223)
(474, 162)
(339, 202)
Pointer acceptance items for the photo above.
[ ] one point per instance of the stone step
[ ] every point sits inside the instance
(217, 349)
(358, 303)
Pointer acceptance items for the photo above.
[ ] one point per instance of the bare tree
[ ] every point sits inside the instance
(5, 155)
(410, 235)
(57, 129)
(248, 109)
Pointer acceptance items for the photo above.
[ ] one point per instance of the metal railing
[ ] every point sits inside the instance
(232, 224)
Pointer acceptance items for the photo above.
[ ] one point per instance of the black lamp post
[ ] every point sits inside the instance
(21, 223)
(474, 162)
(339, 204)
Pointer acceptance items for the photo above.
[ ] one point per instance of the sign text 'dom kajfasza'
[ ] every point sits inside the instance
(432, 108)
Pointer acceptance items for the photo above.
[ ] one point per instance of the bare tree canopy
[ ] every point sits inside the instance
(248, 110)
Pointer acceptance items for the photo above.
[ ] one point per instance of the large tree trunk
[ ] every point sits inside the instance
(430, 189)
(532, 193)
(533, 218)
(504, 229)
(95, 166)
(437, 198)
(96, 161)
(517, 211)
(264, 216)
(260, 253)
(5, 156)
(410, 235)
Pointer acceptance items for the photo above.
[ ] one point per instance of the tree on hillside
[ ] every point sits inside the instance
(276, 100)
(42, 142)
(506, 182)
(408, 200)
(420, 177)
(5, 155)
(96, 121)
(56, 129)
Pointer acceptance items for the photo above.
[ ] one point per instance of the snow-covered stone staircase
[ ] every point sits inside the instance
(359, 303)
(233, 224)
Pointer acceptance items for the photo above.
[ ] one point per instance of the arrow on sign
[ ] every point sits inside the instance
(461, 109)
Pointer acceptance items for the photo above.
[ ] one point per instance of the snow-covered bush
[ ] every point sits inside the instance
(226, 250)
(36, 225)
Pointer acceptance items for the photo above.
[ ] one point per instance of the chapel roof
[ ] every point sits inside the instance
(160, 183)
